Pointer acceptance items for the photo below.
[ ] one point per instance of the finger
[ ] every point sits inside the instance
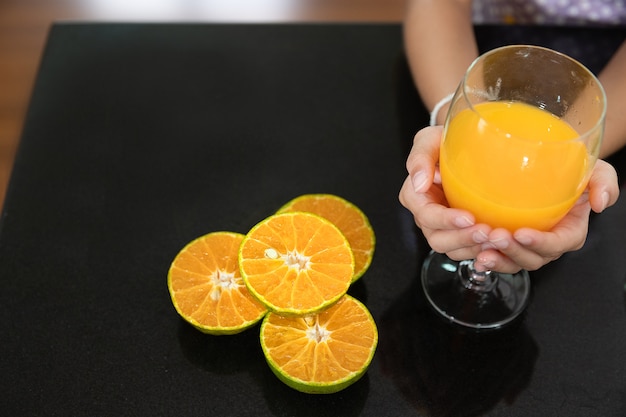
(603, 186)
(430, 209)
(531, 249)
(568, 235)
(445, 229)
(503, 253)
(470, 252)
(458, 244)
(494, 260)
(423, 158)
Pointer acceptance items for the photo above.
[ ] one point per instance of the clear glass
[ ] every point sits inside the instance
(512, 166)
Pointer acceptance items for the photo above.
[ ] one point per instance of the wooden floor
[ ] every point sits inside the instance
(24, 25)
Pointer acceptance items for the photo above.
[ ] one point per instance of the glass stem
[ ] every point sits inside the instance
(475, 280)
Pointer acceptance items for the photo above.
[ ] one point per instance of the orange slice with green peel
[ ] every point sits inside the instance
(296, 263)
(206, 287)
(322, 353)
(352, 222)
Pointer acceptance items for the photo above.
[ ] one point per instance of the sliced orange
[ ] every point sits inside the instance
(322, 353)
(207, 289)
(352, 222)
(296, 263)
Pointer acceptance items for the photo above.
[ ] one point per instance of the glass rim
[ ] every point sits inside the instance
(597, 125)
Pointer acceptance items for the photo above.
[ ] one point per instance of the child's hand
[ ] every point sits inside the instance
(455, 232)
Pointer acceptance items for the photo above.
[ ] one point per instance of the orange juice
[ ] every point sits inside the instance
(512, 165)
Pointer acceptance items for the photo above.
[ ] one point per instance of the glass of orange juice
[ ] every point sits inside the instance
(520, 140)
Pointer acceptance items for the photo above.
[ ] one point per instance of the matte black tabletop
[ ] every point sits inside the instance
(142, 137)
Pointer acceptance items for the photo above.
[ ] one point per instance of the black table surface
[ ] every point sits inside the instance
(142, 137)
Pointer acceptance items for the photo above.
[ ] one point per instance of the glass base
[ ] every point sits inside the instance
(477, 300)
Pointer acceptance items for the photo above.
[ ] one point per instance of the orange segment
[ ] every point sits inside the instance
(348, 218)
(321, 353)
(296, 263)
(206, 286)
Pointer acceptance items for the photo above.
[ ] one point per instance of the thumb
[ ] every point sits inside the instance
(424, 157)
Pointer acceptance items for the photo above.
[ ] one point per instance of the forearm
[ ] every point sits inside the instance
(440, 45)
(613, 78)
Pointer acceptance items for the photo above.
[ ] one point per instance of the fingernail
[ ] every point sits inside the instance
(500, 243)
(487, 246)
(437, 177)
(524, 240)
(479, 236)
(462, 222)
(605, 200)
(484, 264)
(419, 181)
(479, 267)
